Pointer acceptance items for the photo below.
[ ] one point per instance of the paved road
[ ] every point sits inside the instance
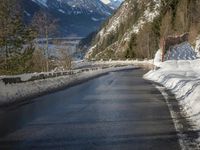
(118, 111)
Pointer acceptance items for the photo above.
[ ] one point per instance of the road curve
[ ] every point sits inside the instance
(117, 111)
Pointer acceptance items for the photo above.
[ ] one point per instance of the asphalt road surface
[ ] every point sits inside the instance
(117, 111)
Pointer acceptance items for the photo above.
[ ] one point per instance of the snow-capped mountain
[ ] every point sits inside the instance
(76, 17)
(76, 6)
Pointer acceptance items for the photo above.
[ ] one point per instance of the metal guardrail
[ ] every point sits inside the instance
(17, 79)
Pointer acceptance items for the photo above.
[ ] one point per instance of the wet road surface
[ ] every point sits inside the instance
(117, 111)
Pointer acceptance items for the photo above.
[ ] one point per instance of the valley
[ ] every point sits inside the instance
(100, 74)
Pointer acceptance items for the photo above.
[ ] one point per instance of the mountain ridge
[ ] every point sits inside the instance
(75, 17)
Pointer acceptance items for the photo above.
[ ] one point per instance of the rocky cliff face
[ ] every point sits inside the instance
(135, 30)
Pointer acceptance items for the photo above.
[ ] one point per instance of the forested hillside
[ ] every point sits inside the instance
(135, 30)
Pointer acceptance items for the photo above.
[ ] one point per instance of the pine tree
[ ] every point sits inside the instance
(15, 37)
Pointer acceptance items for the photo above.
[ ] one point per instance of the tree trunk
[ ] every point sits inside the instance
(47, 50)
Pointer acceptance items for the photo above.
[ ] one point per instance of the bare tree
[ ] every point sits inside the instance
(46, 27)
(65, 59)
(38, 61)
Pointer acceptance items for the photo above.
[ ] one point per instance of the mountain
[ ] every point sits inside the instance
(135, 30)
(75, 17)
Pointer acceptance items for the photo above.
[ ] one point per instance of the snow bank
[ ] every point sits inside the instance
(182, 77)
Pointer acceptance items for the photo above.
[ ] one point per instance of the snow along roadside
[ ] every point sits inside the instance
(182, 78)
(184, 142)
(10, 93)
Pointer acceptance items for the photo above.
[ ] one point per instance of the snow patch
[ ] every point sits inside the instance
(62, 11)
(95, 19)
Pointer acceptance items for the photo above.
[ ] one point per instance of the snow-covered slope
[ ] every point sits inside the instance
(77, 17)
